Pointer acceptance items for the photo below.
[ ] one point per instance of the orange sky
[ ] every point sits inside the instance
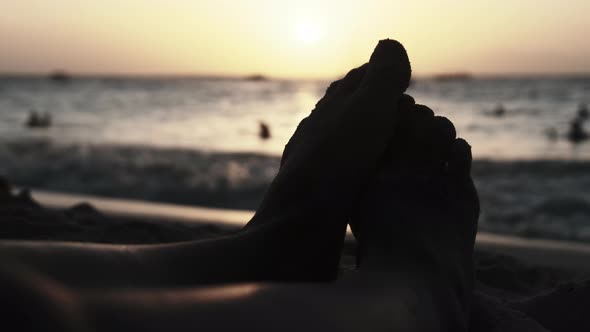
(303, 38)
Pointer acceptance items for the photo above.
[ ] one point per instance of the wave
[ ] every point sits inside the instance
(534, 198)
(539, 198)
(235, 180)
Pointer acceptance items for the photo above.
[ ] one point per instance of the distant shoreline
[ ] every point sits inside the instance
(163, 76)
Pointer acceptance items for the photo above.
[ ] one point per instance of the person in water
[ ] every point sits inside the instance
(263, 130)
(402, 182)
(583, 111)
(37, 120)
(577, 134)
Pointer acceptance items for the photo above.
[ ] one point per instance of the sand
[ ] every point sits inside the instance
(507, 268)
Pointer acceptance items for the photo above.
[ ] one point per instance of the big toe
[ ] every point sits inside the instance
(389, 68)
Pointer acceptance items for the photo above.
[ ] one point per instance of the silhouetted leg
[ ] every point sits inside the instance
(358, 304)
(417, 228)
(32, 302)
(417, 233)
(298, 231)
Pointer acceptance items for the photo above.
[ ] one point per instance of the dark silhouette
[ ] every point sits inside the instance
(256, 78)
(583, 112)
(60, 76)
(264, 130)
(404, 185)
(37, 120)
(34, 120)
(499, 111)
(577, 134)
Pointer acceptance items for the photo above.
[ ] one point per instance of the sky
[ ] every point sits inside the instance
(291, 38)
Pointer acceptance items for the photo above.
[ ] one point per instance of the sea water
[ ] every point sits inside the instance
(195, 141)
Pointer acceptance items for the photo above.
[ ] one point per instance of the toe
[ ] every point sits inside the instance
(459, 165)
(423, 141)
(421, 123)
(444, 130)
(405, 111)
(461, 187)
(460, 183)
(367, 120)
(351, 81)
(398, 147)
(420, 145)
(344, 86)
(337, 90)
(405, 106)
(443, 136)
(358, 114)
(389, 69)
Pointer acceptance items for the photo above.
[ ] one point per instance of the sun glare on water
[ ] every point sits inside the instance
(307, 32)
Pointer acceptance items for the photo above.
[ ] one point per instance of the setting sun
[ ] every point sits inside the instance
(275, 37)
(307, 32)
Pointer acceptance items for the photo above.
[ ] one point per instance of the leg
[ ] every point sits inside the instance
(349, 305)
(32, 302)
(323, 170)
(417, 232)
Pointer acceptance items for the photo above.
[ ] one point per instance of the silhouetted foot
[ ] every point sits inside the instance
(332, 155)
(337, 147)
(418, 220)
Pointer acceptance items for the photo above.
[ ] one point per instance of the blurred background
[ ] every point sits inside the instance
(192, 102)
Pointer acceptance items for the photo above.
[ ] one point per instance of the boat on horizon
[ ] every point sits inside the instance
(256, 78)
(60, 76)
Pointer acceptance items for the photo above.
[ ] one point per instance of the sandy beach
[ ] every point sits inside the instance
(507, 263)
(507, 268)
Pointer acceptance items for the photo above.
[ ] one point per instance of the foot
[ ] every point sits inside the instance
(337, 147)
(331, 156)
(418, 220)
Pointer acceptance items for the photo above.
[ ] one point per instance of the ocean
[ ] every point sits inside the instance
(195, 141)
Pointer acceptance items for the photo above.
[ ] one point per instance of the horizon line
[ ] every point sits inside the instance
(449, 74)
